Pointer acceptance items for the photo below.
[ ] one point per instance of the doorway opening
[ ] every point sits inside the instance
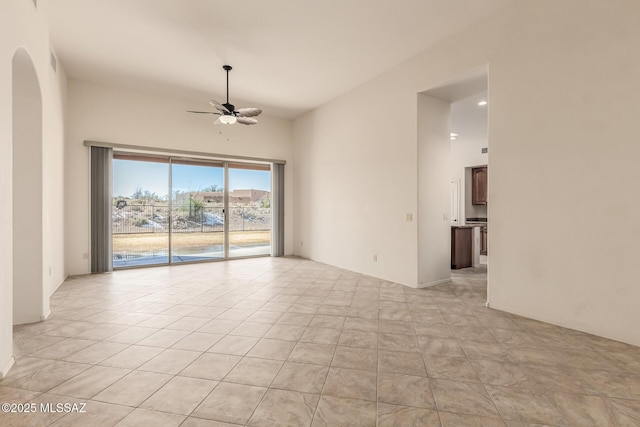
(30, 301)
(453, 157)
(172, 210)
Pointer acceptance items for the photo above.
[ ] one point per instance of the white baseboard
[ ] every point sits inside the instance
(7, 367)
(46, 315)
(430, 284)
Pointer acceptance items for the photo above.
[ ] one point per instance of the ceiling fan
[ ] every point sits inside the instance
(228, 112)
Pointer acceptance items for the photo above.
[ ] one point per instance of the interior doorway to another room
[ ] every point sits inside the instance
(30, 300)
(453, 131)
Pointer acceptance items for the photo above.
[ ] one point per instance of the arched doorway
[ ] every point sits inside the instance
(30, 304)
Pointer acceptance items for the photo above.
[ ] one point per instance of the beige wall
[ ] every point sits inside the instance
(123, 116)
(563, 132)
(22, 25)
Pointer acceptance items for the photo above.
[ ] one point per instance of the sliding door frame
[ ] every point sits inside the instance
(215, 161)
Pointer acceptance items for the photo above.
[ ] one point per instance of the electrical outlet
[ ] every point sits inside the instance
(301, 243)
(375, 258)
(409, 217)
(445, 216)
(85, 255)
(49, 271)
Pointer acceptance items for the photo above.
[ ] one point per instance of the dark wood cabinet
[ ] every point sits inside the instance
(483, 241)
(461, 247)
(479, 179)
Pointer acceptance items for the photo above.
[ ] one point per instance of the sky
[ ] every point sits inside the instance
(154, 177)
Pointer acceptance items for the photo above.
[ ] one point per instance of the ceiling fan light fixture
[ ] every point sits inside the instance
(228, 120)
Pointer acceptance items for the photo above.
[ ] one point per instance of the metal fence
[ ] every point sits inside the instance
(137, 219)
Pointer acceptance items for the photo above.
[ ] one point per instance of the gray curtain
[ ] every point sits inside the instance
(101, 178)
(277, 203)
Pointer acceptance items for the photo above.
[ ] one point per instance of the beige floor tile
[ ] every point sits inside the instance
(503, 374)
(233, 403)
(351, 383)
(525, 405)
(198, 341)
(355, 358)
(200, 422)
(211, 366)
(583, 410)
(285, 408)
(170, 361)
(133, 389)
(401, 362)
(285, 332)
(460, 420)
(234, 344)
(96, 353)
(433, 346)
(272, 349)
(159, 321)
(327, 321)
(301, 377)
(463, 398)
(251, 329)
(397, 342)
(47, 376)
(321, 335)
(435, 330)
(131, 335)
(132, 357)
(315, 354)
(164, 338)
(63, 348)
(219, 326)
(613, 384)
(316, 318)
(188, 323)
(337, 411)
(450, 368)
(407, 390)
(396, 327)
(97, 414)
(626, 412)
(32, 344)
(145, 417)
(181, 395)
(254, 371)
(361, 324)
(90, 382)
(296, 319)
(395, 415)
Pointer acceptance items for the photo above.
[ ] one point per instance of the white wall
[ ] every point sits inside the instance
(22, 25)
(122, 116)
(563, 133)
(355, 182)
(434, 175)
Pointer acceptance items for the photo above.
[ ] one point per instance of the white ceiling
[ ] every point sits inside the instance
(289, 56)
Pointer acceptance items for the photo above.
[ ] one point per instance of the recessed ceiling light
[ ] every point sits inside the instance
(482, 103)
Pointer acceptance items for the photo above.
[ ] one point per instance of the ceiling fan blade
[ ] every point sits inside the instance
(219, 106)
(217, 122)
(248, 112)
(202, 112)
(247, 120)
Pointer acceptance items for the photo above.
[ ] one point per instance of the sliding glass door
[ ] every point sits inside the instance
(197, 226)
(170, 210)
(140, 210)
(249, 209)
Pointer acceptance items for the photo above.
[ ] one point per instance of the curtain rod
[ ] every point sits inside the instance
(151, 150)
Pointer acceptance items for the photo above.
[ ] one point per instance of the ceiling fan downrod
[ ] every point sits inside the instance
(228, 68)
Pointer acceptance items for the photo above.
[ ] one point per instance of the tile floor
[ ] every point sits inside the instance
(285, 341)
